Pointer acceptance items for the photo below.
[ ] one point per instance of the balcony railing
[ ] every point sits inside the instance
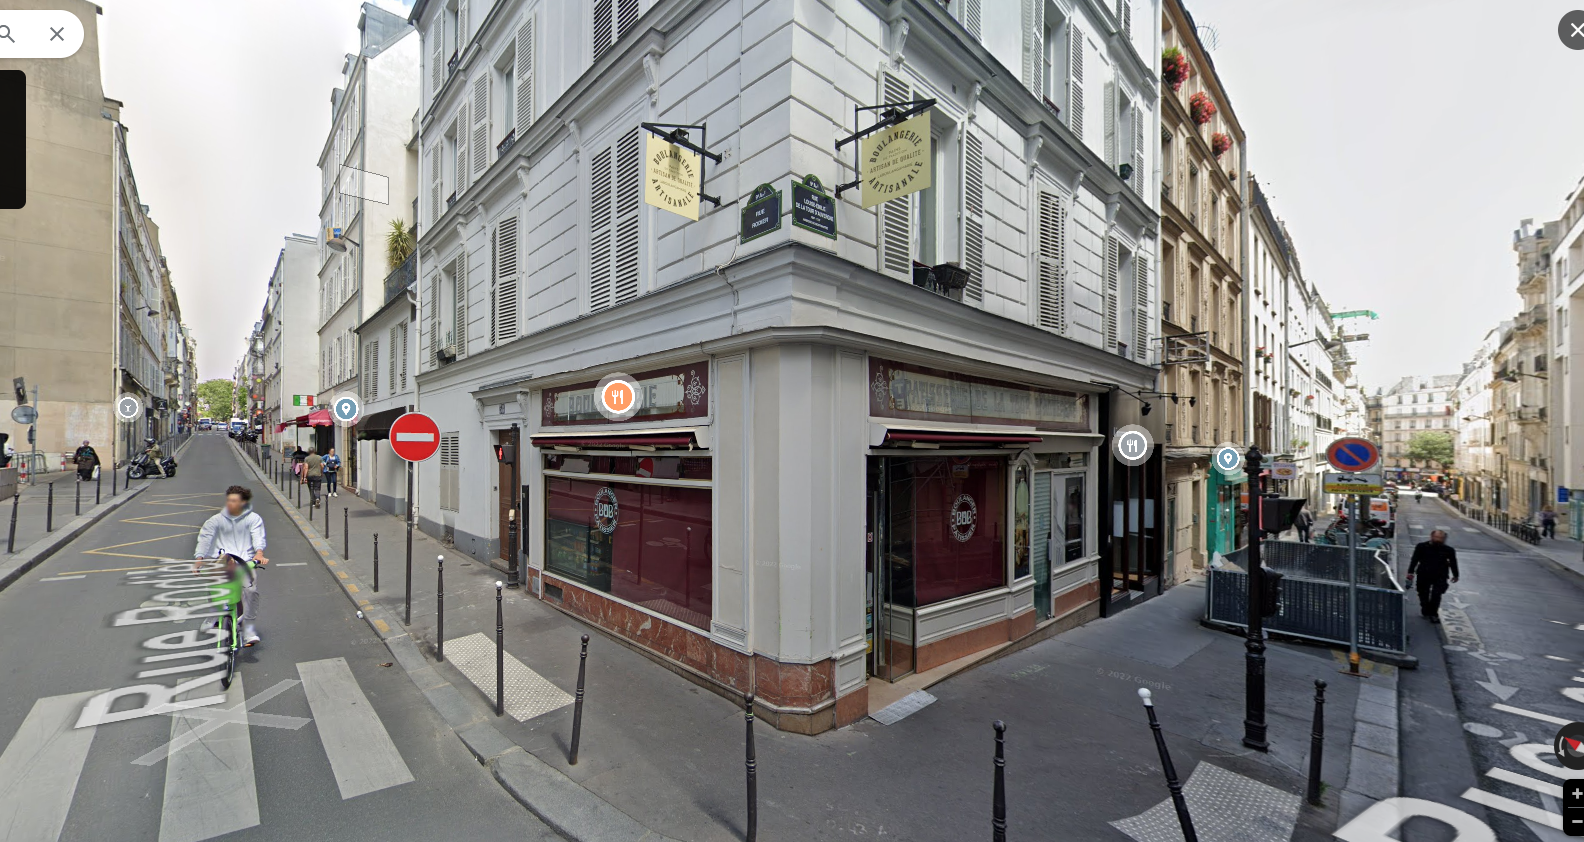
(451, 200)
(451, 64)
(506, 144)
(402, 278)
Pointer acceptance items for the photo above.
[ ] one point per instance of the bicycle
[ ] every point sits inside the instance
(230, 623)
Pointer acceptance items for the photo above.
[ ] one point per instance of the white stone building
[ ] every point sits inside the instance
(366, 181)
(803, 531)
(1475, 462)
(1565, 292)
(291, 341)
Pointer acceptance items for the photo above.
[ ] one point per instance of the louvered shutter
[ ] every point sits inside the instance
(393, 354)
(626, 16)
(972, 18)
(434, 185)
(1141, 308)
(1127, 20)
(459, 175)
(602, 27)
(1112, 295)
(1075, 69)
(1111, 125)
(506, 280)
(342, 347)
(895, 242)
(525, 76)
(600, 229)
(973, 214)
(404, 356)
(460, 290)
(462, 25)
(1138, 150)
(1052, 262)
(372, 368)
(1033, 33)
(437, 61)
(481, 122)
(433, 316)
(629, 198)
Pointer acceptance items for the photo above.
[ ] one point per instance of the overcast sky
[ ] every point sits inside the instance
(1401, 140)
(227, 106)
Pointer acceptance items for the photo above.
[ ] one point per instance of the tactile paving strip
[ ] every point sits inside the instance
(528, 694)
(1224, 806)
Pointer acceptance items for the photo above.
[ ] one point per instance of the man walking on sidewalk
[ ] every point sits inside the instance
(313, 471)
(1304, 523)
(1432, 560)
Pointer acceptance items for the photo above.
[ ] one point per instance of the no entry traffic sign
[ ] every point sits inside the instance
(1352, 454)
(415, 437)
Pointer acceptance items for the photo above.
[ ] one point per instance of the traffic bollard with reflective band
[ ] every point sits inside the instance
(1316, 743)
(1172, 783)
(998, 798)
(500, 652)
(577, 706)
(440, 608)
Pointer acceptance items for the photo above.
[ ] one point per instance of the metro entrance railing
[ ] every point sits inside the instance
(1314, 594)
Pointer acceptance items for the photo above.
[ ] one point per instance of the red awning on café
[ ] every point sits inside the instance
(317, 418)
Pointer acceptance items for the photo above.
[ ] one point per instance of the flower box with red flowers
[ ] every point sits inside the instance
(1200, 108)
(1220, 142)
(1174, 67)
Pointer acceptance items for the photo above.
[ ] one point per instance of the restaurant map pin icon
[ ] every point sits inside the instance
(128, 407)
(1132, 445)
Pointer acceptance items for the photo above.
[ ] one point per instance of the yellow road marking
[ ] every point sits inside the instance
(352, 588)
(113, 569)
(341, 574)
(382, 626)
(101, 550)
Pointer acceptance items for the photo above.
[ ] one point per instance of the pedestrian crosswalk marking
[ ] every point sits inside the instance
(40, 768)
(528, 694)
(62, 578)
(356, 743)
(187, 738)
(210, 792)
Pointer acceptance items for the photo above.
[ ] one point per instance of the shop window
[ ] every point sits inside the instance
(1020, 524)
(646, 544)
(648, 467)
(954, 531)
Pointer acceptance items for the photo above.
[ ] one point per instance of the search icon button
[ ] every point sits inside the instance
(5, 32)
(40, 33)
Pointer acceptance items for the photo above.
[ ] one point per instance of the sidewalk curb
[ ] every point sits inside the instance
(17, 566)
(564, 805)
(1523, 545)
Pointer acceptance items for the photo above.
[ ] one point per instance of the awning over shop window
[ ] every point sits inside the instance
(936, 437)
(317, 418)
(376, 427)
(658, 439)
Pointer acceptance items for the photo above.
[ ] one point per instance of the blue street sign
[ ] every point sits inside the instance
(1562, 495)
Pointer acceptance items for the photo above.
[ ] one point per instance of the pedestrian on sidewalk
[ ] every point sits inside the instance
(313, 472)
(1304, 523)
(1433, 560)
(332, 469)
(1548, 521)
(87, 460)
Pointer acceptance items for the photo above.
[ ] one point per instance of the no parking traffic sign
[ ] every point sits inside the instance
(1352, 454)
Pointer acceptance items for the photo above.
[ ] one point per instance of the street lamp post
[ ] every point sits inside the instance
(1254, 647)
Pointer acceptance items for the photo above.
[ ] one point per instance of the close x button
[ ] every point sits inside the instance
(13, 139)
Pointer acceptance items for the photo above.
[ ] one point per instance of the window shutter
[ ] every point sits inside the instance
(600, 230)
(973, 214)
(434, 185)
(1141, 308)
(460, 288)
(404, 356)
(506, 280)
(602, 27)
(1075, 97)
(972, 17)
(895, 217)
(525, 76)
(1111, 125)
(1052, 262)
(393, 346)
(373, 369)
(1033, 33)
(1112, 295)
(629, 198)
(481, 122)
(437, 61)
(1127, 20)
(1138, 150)
(433, 316)
(626, 16)
(343, 345)
(462, 25)
(459, 129)
(450, 471)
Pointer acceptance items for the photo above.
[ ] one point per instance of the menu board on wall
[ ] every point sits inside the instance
(677, 392)
(902, 390)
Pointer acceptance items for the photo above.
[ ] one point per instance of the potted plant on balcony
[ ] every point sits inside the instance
(398, 244)
(1174, 68)
(1200, 108)
(1220, 142)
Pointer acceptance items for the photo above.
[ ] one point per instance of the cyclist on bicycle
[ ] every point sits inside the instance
(237, 531)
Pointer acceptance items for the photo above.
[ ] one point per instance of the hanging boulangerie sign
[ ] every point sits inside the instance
(673, 177)
(896, 161)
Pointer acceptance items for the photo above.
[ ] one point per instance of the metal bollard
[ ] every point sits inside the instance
(49, 507)
(577, 706)
(376, 562)
(1171, 773)
(328, 539)
(98, 484)
(440, 609)
(500, 652)
(1316, 743)
(998, 800)
(16, 500)
(753, 778)
(113, 491)
(346, 534)
(77, 497)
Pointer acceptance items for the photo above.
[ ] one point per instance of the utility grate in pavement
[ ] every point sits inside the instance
(528, 694)
(1225, 807)
(902, 708)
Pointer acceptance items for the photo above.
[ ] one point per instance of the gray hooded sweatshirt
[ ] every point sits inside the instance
(223, 534)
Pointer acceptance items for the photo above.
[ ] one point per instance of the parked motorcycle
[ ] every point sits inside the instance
(139, 467)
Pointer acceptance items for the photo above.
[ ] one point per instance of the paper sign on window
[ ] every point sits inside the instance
(896, 161)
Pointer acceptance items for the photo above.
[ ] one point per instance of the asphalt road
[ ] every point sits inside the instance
(336, 745)
(1511, 636)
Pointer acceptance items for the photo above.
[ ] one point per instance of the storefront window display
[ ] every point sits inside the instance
(646, 544)
(956, 524)
(1020, 524)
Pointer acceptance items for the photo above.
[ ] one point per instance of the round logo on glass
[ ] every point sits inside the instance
(964, 517)
(605, 510)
